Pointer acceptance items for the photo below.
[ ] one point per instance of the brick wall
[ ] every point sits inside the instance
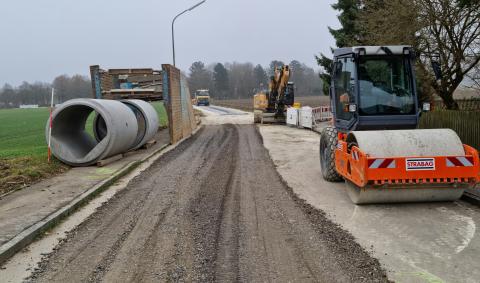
(188, 117)
(107, 81)
(181, 119)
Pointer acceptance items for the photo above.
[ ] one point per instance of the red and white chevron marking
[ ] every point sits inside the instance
(381, 163)
(460, 161)
(355, 155)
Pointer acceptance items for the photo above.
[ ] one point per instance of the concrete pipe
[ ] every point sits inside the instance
(147, 122)
(72, 144)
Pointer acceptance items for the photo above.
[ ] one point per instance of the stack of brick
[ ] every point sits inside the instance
(142, 83)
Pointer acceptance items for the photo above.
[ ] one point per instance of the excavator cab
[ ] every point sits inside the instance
(374, 144)
(373, 88)
(289, 97)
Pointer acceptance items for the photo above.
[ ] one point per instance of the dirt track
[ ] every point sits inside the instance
(214, 209)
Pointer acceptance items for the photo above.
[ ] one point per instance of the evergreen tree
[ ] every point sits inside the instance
(326, 73)
(350, 34)
(220, 79)
(273, 64)
(261, 78)
(296, 67)
(200, 77)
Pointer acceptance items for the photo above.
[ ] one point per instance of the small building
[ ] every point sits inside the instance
(28, 106)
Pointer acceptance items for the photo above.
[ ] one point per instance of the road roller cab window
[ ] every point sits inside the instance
(344, 84)
(385, 86)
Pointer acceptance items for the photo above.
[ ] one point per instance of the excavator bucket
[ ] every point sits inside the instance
(406, 166)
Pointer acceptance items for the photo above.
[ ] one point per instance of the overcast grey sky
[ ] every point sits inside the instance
(43, 39)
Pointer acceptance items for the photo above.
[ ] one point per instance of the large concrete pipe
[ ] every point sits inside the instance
(74, 146)
(147, 122)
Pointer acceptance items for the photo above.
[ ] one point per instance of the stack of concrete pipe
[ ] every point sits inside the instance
(118, 127)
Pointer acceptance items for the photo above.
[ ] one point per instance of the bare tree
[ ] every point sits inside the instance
(474, 78)
(451, 31)
(242, 79)
(443, 31)
(307, 82)
(7, 97)
(39, 92)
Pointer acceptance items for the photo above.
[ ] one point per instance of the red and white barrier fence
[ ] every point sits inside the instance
(49, 153)
(322, 114)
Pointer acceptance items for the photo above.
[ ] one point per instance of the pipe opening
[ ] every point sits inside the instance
(73, 131)
(141, 123)
(100, 129)
(88, 130)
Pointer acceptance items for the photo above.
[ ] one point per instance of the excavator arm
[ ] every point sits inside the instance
(269, 106)
(277, 88)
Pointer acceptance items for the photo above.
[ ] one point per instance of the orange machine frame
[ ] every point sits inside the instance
(356, 166)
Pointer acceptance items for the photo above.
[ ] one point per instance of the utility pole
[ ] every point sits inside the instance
(173, 22)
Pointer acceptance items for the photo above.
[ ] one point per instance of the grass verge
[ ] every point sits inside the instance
(23, 149)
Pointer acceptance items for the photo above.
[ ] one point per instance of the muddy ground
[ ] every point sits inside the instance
(213, 209)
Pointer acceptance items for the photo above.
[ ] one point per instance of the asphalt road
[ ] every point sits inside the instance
(213, 209)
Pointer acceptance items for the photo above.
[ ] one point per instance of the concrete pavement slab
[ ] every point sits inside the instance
(216, 115)
(426, 242)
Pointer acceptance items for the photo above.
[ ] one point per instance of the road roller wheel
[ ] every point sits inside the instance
(328, 143)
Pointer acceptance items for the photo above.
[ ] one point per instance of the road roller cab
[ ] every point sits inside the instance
(374, 144)
(373, 88)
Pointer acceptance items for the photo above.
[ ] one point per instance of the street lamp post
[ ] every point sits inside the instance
(173, 22)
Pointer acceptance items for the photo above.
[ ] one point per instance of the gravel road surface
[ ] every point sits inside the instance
(213, 209)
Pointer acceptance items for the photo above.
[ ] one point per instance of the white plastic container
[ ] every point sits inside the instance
(306, 117)
(292, 116)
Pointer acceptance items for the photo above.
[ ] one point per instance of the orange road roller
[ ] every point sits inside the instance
(374, 145)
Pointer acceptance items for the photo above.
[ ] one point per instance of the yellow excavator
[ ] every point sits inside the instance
(270, 106)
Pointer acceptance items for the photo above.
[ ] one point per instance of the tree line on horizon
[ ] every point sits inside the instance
(242, 80)
(225, 81)
(39, 93)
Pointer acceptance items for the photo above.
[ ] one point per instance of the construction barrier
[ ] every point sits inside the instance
(322, 114)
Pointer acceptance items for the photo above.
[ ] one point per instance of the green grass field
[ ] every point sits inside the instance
(23, 149)
(162, 113)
